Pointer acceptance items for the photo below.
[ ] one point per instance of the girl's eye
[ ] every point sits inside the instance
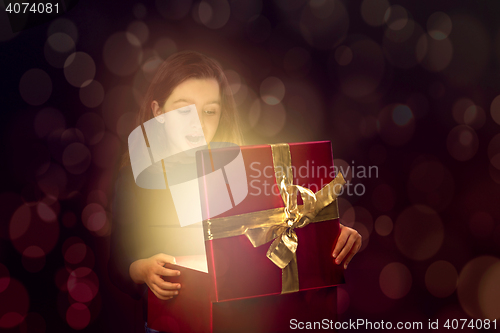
(184, 111)
(210, 112)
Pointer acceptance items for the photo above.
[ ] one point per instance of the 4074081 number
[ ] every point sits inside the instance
(478, 324)
(36, 8)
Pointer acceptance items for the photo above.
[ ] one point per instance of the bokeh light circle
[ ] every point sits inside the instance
(94, 217)
(361, 67)
(14, 304)
(489, 292)
(441, 278)
(268, 120)
(79, 69)
(324, 24)
(419, 232)
(83, 284)
(396, 124)
(35, 86)
(438, 56)
(214, 14)
(404, 48)
(494, 151)
(65, 26)
(383, 225)
(473, 283)
(462, 143)
(272, 90)
(120, 55)
(78, 316)
(439, 25)
(140, 30)
(4, 277)
(91, 94)
(373, 12)
(395, 280)
(76, 158)
(33, 259)
(495, 109)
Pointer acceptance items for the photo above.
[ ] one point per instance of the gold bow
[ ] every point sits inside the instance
(278, 224)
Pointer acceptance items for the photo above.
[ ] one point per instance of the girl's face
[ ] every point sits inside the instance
(183, 127)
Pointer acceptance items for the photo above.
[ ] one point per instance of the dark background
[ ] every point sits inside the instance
(412, 94)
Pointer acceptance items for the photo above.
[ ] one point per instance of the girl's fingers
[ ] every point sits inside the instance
(355, 250)
(165, 258)
(340, 243)
(163, 271)
(165, 285)
(164, 293)
(347, 248)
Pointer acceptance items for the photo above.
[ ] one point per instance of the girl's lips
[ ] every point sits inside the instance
(194, 140)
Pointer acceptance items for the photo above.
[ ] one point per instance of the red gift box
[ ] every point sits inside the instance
(193, 311)
(240, 275)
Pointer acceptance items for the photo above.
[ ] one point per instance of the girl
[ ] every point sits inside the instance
(138, 252)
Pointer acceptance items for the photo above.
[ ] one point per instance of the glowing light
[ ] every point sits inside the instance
(343, 55)
(495, 109)
(395, 280)
(33, 259)
(79, 69)
(76, 158)
(91, 94)
(373, 12)
(392, 132)
(214, 14)
(78, 316)
(396, 17)
(441, 279)
(419, 232)
(83, 284)
(462, 143)
(94, 217)
(35, 86)
(489, 292)
(4, 278)
(268, 120)
(15, 304)
(324, 24)
(383, 225)
(272, 90)
(473, 283)
(140, 30)
(439, 25)
(120, 55)
(402, 115)
(438, 56)
(361, 72)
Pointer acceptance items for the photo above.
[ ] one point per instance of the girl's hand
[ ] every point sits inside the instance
(348, 244)
(151, 270)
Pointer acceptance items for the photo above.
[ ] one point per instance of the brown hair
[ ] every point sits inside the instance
(180, 67)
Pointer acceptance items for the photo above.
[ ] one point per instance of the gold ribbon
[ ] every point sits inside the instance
(278, 224)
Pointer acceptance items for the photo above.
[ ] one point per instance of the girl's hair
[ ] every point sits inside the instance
(193, 65)
(180, 67)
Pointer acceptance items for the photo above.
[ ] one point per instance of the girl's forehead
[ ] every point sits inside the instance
(197, 86)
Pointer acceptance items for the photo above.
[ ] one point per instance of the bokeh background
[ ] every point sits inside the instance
(409, 87)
